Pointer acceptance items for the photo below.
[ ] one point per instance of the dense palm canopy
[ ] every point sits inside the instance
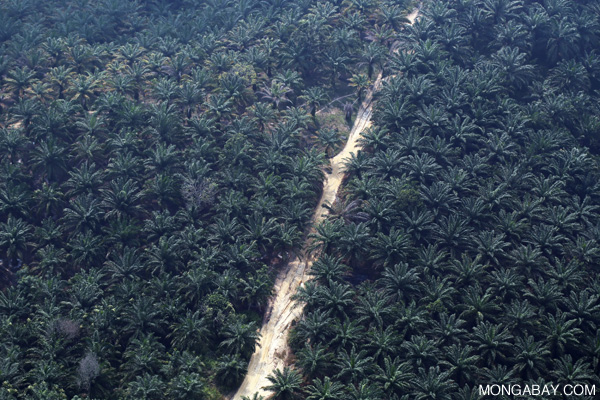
(160, 160)
(464, 243)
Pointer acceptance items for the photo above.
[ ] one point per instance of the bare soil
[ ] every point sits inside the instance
(282, 310)
(273, 351)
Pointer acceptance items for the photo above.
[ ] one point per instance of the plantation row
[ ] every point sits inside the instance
(464, 250)
(159, 162)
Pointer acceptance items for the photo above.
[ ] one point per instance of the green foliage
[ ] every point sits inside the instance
(158, 162)
(476, 193)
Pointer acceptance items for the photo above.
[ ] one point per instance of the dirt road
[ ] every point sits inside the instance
(282, 310)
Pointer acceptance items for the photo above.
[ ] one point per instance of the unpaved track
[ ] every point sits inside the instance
(282, 310)
(273, 350)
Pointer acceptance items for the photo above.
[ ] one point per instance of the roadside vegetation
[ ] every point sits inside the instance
(464, 247)
(159, 161)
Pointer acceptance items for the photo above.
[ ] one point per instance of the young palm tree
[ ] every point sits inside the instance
(360, 82)
(314, 97)
(276, 93)
(330, 139)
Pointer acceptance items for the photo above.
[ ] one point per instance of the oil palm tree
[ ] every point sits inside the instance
(353, 242)
(314, 97)
(562, 40)
(433, 383)
(530, 356)
(14, 200)
(14, 239)
(316, 326)
(390, 249)
(83, 89)
(83, 180)
(374, 309)
(285, 384)
(190, 332)
(147, 386)
(330, 139)
(325, 390)
(328, 268)
(19, 79)
(240, 338)
(325, 237)
(83, 213)
(187, 385)
(336, 298)
(337, 62)
(314, 360)
(230, 370)
(86, 249)
(353, 366)
(492, 341)
(122, 198)
(276, 93)
(395, 376)
(49, 159)
(346, 333)
(360, 82)
(568, 371)
(462, 362)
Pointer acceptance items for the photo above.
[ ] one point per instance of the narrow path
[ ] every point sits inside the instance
(282, 310)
